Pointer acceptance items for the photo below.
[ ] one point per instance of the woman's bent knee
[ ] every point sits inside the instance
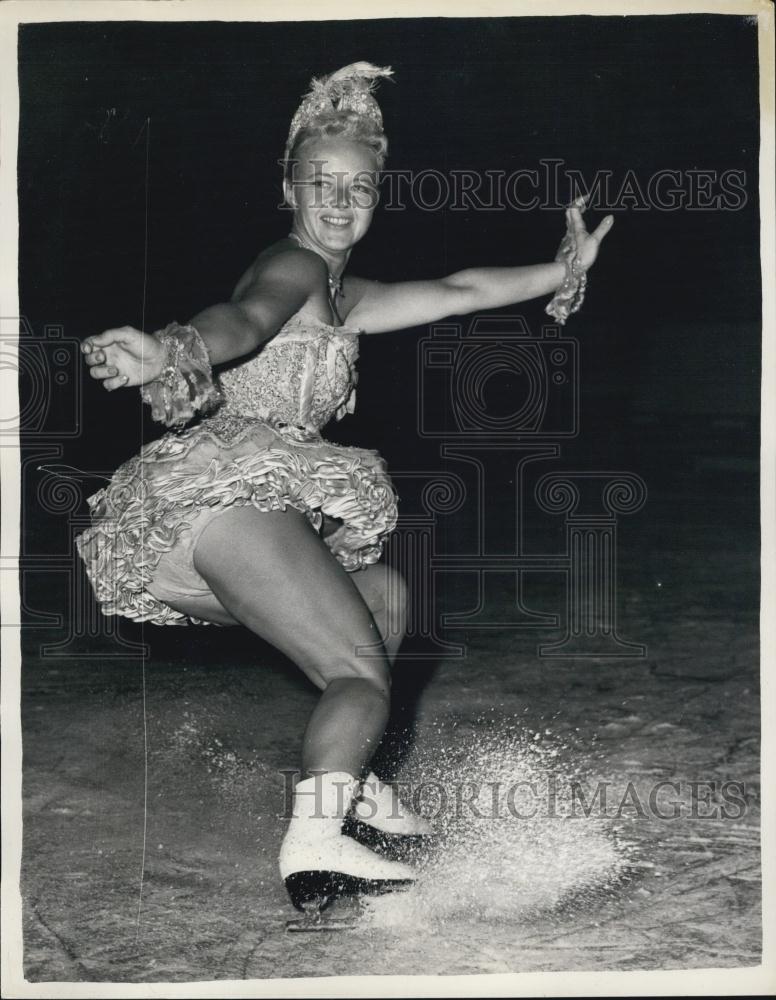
(377, 675)
(386, 594)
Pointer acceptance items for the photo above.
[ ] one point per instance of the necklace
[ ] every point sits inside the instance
(335, 284)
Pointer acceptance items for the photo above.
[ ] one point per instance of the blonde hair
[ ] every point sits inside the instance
(339, 125)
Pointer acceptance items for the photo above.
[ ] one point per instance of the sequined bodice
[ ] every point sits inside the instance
(302, 377)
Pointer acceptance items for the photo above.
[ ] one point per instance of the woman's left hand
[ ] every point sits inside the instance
(587, 243)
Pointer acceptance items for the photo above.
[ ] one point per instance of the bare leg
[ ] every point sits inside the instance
(274, 574)
(385, 594)
(271, 572)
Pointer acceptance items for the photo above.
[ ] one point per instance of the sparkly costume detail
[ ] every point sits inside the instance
(262, 447)
(185, 385)
(348, 89)
(571, 293)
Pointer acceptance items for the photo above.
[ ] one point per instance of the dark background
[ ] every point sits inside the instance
(183, 738)
(670, 331)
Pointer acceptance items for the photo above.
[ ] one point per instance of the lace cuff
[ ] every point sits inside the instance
(185, 385)
(571, 293)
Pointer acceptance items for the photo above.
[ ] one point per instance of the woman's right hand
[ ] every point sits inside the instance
(123, 357)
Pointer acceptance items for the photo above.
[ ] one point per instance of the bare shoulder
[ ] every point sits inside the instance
(283, 266)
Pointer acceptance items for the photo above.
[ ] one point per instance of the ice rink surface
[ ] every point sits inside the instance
(538, 886)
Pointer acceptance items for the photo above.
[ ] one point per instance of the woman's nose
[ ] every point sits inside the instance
(341, 195)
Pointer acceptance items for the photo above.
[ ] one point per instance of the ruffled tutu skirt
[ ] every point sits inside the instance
(146, 522)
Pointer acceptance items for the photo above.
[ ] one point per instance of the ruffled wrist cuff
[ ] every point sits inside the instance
(571, 292)
(185, 385)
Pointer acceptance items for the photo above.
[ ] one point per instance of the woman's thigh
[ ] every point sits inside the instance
(385, 593)
(271, 572)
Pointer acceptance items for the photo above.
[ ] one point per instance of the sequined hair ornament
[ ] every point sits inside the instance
(347, 89)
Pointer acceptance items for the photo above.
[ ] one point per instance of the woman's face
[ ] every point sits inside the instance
(334, 192)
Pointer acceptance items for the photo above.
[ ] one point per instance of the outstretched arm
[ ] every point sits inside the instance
(282, 285)
(381, 308)
(279, 289)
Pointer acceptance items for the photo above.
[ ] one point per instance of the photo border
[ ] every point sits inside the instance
(735, 981)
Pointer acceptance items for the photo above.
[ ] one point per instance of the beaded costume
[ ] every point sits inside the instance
(260, 446)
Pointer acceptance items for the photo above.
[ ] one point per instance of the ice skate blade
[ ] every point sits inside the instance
(312, 891)
(329, 925)
(395, 846)
(343, 915)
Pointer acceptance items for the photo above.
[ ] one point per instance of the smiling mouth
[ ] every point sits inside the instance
(333, 220)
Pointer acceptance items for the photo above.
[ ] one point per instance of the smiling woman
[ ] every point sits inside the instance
(250, 516)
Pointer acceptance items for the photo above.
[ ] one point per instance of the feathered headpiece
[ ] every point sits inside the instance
(347, 89)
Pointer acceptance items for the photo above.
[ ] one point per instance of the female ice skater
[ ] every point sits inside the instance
(250, 516)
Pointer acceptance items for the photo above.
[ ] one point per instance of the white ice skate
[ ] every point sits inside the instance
(382, 821)
(318, 862)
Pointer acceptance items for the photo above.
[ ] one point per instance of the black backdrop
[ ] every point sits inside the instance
(192, 117)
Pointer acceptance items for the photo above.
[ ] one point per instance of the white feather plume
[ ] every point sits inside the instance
(364, 69)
